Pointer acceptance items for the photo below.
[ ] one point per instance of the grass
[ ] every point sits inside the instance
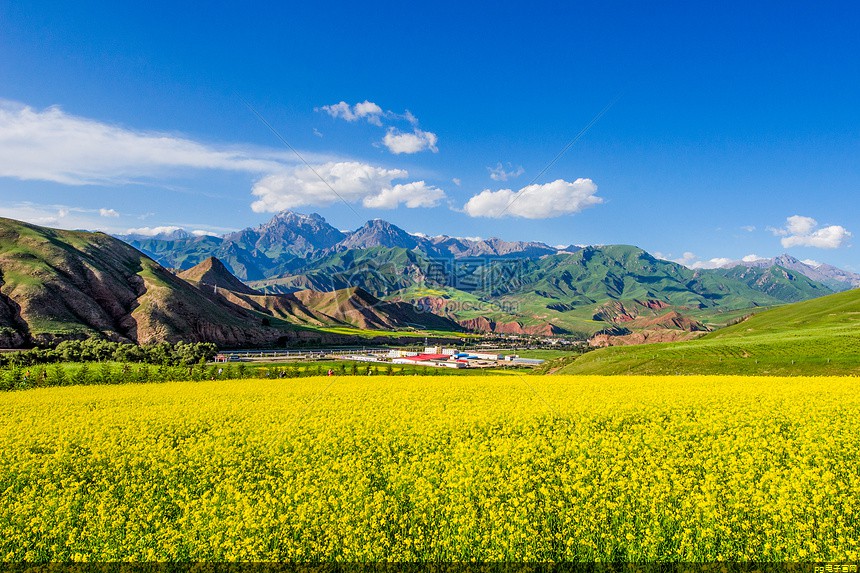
(816, 337)
(440, 469)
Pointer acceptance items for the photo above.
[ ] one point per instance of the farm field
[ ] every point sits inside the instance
(434, 468)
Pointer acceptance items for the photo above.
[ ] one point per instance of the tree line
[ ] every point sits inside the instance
(16, 377)
(99, 350)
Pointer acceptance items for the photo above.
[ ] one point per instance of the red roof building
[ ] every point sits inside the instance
(426, 357)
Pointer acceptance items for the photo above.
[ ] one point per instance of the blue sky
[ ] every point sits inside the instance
(733, 129)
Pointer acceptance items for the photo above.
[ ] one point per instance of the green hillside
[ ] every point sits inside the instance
(566, 290)
(814, 337)
(57, 285)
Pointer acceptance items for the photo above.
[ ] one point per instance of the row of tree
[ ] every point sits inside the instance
(20, 378)
(99, 350)
(16, 377)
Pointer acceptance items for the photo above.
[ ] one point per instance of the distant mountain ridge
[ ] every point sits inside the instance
(835, 278)
(284, 243)
(491, 284)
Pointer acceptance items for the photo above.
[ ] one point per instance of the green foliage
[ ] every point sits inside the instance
(81, 376)
(57, 376)
(105, 374)
(815, 337)
(100, 350)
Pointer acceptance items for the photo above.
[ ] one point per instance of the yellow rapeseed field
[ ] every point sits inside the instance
(434, 468)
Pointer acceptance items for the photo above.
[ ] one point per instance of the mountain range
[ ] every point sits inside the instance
(322, 285)
(495, 285)
(289, 240)
(835, 278)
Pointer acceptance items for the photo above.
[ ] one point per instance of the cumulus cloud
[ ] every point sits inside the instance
(396, 140)
(366, 110)
(399, 142)
(52, 145)
(413, 195)
(553, 199)
(498, 173)
(800, 231)
(108, 213)
(752, 258)
(353, 182)
(811, 262)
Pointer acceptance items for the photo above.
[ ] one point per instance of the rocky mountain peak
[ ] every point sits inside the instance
(379, 233)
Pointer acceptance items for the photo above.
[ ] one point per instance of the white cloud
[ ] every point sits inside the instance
(364, 110)
(498, 172)
(354, 182)
(714, 263)
(52, 145)
(457, 181)
(553, 199)
(811, 262)
(752, 258)
(153, 231)
(748, 228)
(413, 195)
(800, 231)
(108, 213)
(691, 261)
(58, 216)
(204, 233)
(318, 133)
(395, 140)
(398, 142)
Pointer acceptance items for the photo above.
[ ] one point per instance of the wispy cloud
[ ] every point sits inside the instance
(691, 261)
(106, 220)
(366, 110)
(396, 140)
(165, 230)
(499, 173)
(62, 216)
(801, 231)
(553, 199)
(52, 145)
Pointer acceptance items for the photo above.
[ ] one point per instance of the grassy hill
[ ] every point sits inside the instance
(553, 293)
(57, 285)
(819, 336)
